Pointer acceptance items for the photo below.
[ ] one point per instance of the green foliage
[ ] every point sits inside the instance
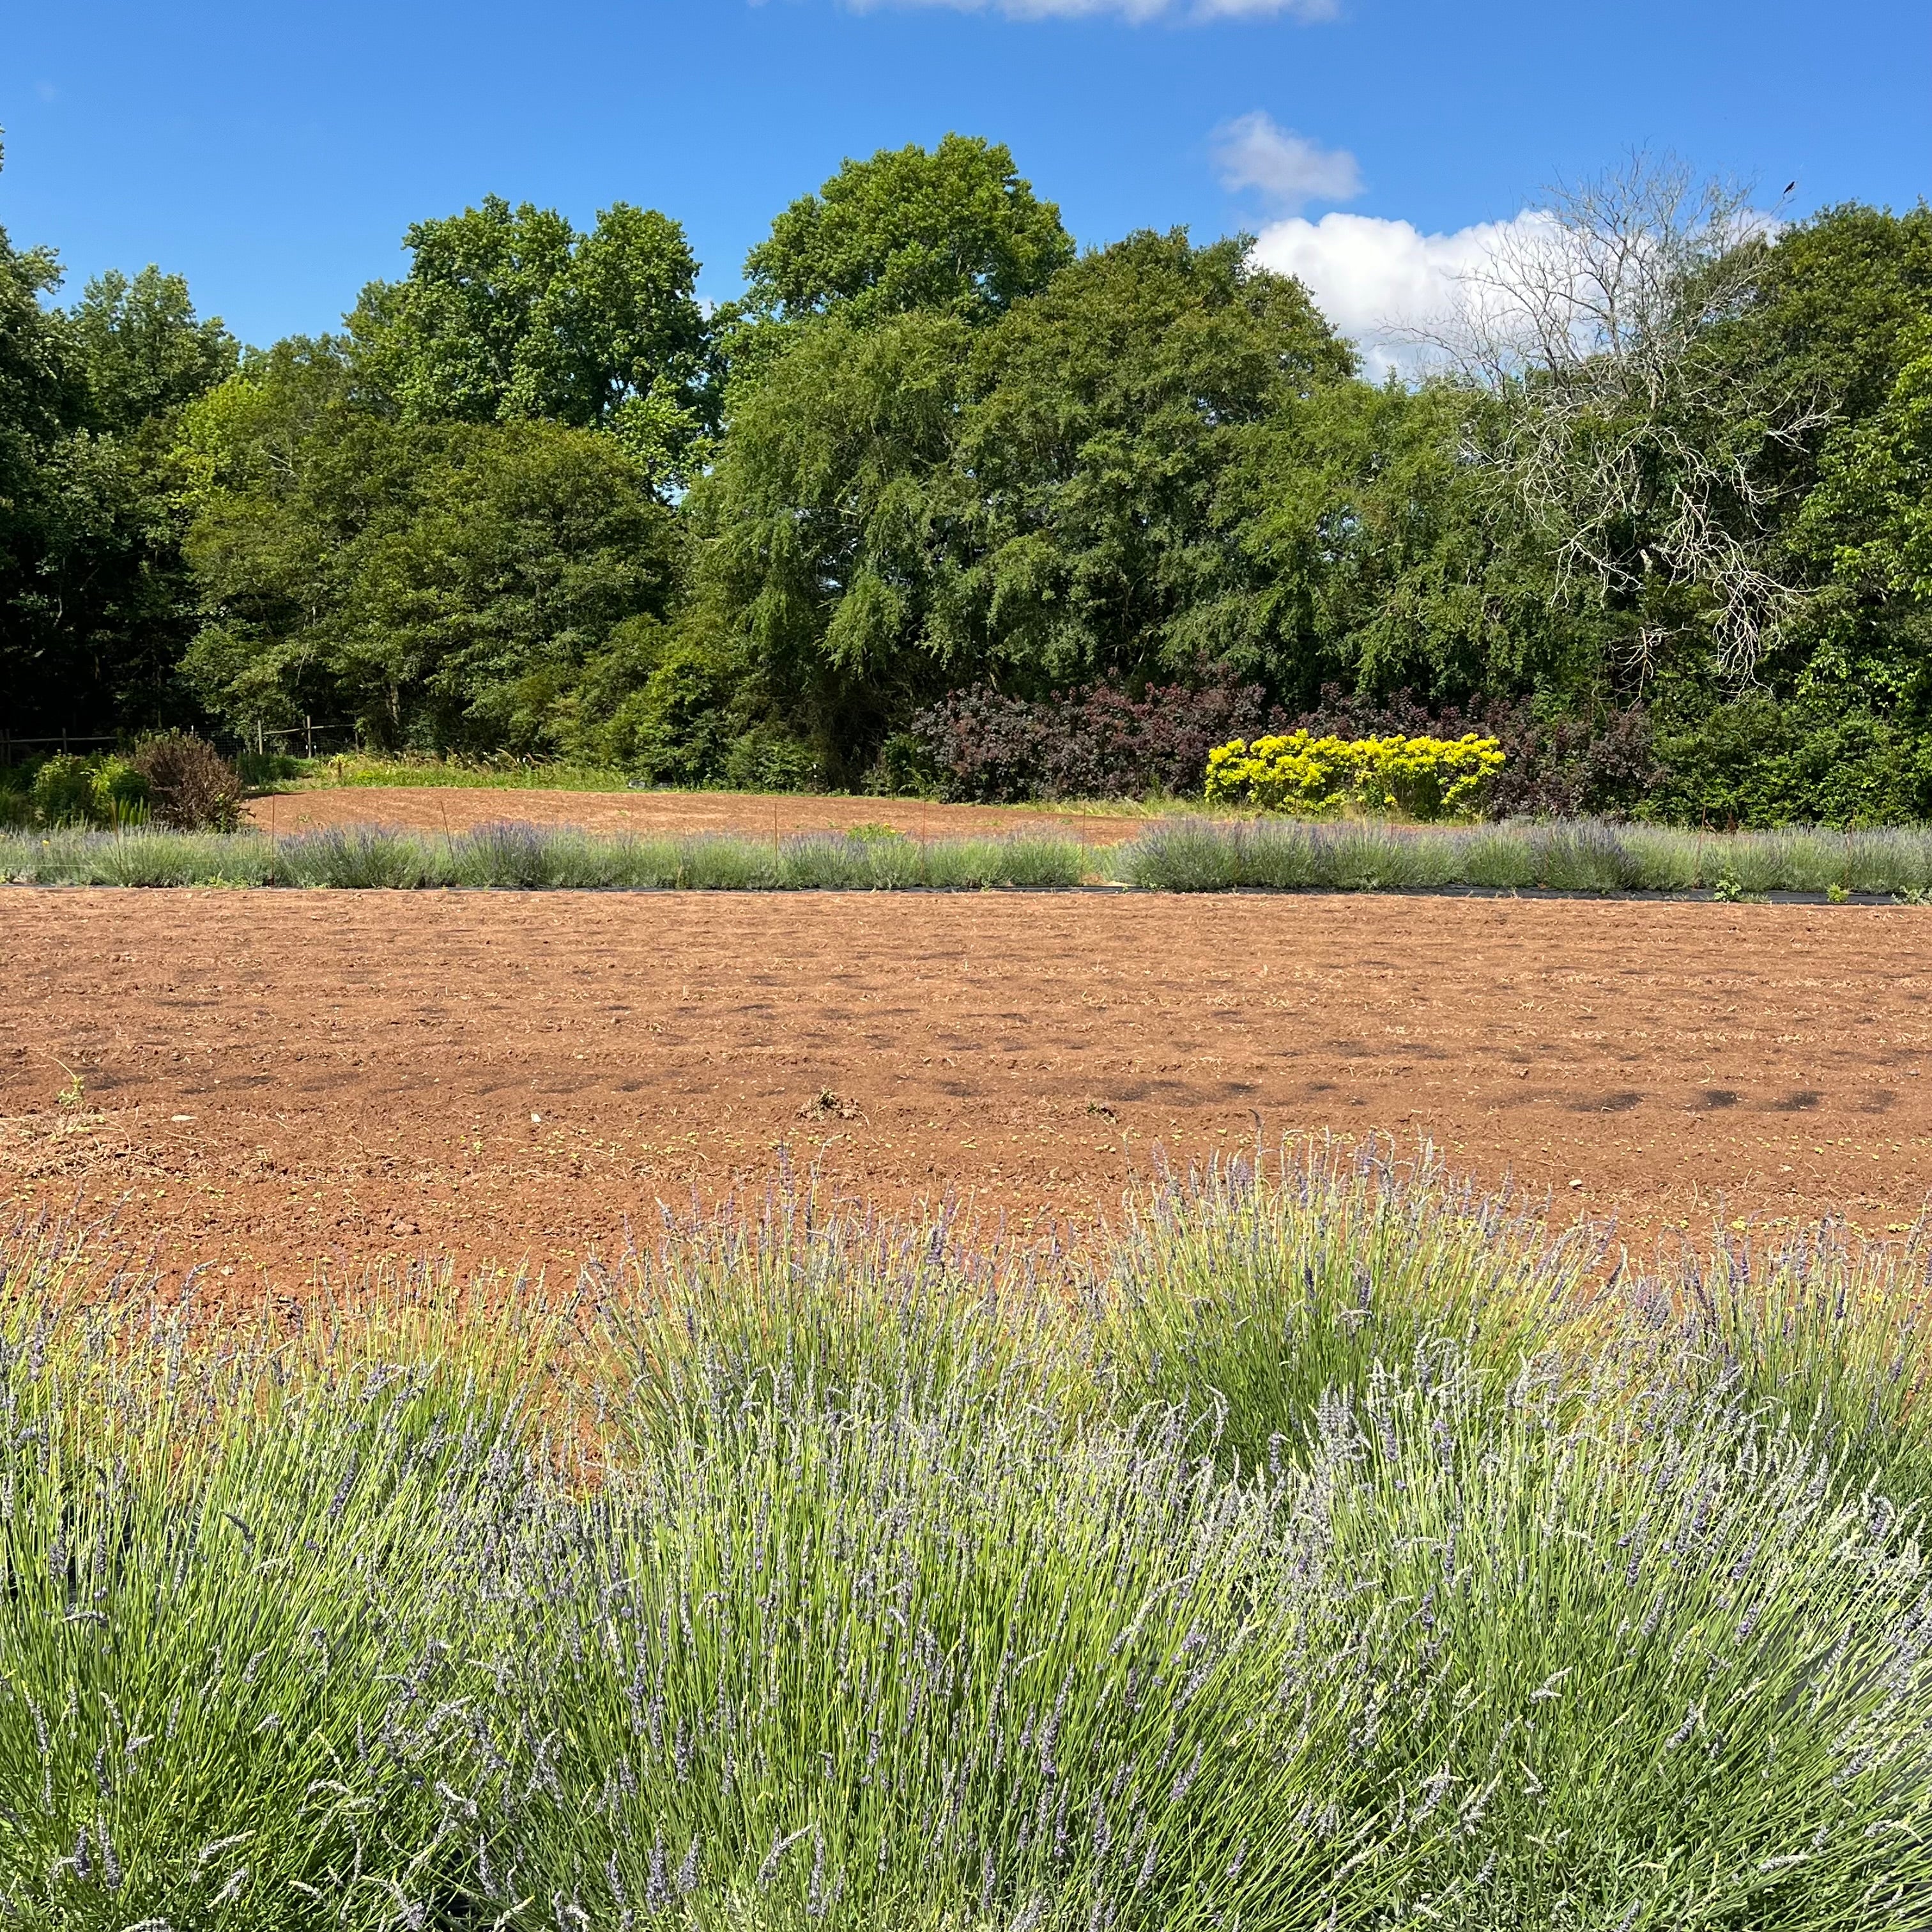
(443, 583)
(63, 791)
(1110, 411)
(511, 316)
(66, 790)
(538, 503)
(1334, 1548)
(1843, 303)
(497, 773)
(905, 505)
(120, 791)
(140, 351)
(1380, 562)
(954, 232)
(1873, 504)
(94, 591)
(1757, 762)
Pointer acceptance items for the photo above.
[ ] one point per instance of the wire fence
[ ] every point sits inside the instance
(303, 740)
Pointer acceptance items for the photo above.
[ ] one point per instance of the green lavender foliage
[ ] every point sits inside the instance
(1252, 1304)
(526, 857)
(228, 1656)
(1342, 1549)
(1187, 855)
(1579, 856)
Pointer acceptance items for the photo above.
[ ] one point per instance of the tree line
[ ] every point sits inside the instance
(945, 500)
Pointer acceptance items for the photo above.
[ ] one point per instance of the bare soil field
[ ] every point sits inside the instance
(755, 815)
(273, 1080)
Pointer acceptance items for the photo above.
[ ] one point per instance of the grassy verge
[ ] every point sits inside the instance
(284, 773)
(281, 773)
(1339, 1551)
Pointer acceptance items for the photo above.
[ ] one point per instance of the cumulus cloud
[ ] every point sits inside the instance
(1135, 11)
(1378, 280)
(1289, 169)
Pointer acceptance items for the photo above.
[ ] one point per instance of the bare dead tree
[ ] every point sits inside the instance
(1646, 453)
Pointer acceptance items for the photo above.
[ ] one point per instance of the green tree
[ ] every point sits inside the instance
(1111, 413)
(1380, 561)
(825, 528)
(140, 352)
(33, 386)
(32, 371)
(955, 231)
(437, 585)
(94, 600)
(510, 315)
(914, 503)
(1846, 303)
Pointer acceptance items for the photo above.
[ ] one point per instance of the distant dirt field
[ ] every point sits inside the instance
(272, 1079)
(455, 809)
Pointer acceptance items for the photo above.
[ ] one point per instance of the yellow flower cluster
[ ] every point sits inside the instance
(1421, 778)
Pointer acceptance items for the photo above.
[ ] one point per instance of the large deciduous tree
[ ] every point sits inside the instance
(94, 601)
(955, 231)
(908, 501)
(438, 585)
(510, 315)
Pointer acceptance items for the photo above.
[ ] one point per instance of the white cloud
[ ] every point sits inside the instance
(1135, 11)
(1287, 167)
(1376, 279)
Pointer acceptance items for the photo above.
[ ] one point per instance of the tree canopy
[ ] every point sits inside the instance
(536, 498)
(510, 315)
(955, 231)
(96, 607)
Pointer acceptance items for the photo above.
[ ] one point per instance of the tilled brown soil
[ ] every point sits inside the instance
(269, 1080)
(454, 809)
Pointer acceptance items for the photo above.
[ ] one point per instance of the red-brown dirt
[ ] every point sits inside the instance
(455, 809)
(270, 1079)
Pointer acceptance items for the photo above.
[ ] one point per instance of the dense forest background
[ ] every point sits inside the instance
(945, 502)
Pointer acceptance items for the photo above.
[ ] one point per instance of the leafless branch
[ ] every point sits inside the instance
(1640, 449)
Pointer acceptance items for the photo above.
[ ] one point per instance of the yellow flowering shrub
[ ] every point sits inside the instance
(1421, 778)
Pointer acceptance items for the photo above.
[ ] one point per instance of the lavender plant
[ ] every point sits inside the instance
(1340, 1549)
(1255, 1296)
(525, 857)
(1178, 854)
(229, 1648)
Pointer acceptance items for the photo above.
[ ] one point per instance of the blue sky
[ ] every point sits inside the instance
(273, 155)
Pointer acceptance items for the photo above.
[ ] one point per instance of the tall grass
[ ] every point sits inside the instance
(1341, 1549)
(356, 768)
